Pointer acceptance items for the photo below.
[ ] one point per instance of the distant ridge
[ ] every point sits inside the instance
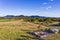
(12, 16)
(22, 16)
(37, 16)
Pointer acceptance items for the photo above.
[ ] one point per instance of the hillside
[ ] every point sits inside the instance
(18, 30)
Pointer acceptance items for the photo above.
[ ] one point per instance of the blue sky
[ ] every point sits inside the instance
(50, 8)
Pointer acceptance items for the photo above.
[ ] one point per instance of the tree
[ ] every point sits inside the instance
(59, 23)
(48, 20)
(41, 19)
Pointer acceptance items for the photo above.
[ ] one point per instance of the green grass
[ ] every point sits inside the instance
(4, 20)
(13, 34)
(53, 37)
(19, 31)
(12, 31)
(8, 20)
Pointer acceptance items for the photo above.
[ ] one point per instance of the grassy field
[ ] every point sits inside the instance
(18, 30)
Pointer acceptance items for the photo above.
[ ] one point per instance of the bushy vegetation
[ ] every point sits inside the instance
(39, 20)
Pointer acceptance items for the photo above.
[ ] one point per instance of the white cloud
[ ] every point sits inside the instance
(51, 0)
(44, 3)
(49, 7)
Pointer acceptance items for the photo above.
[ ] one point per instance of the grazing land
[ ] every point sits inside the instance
(18, 29)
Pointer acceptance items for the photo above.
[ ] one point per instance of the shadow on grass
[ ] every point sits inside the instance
(35, 36)
(55, 25)
(25, 30)
(23, 37)
(28, 36)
